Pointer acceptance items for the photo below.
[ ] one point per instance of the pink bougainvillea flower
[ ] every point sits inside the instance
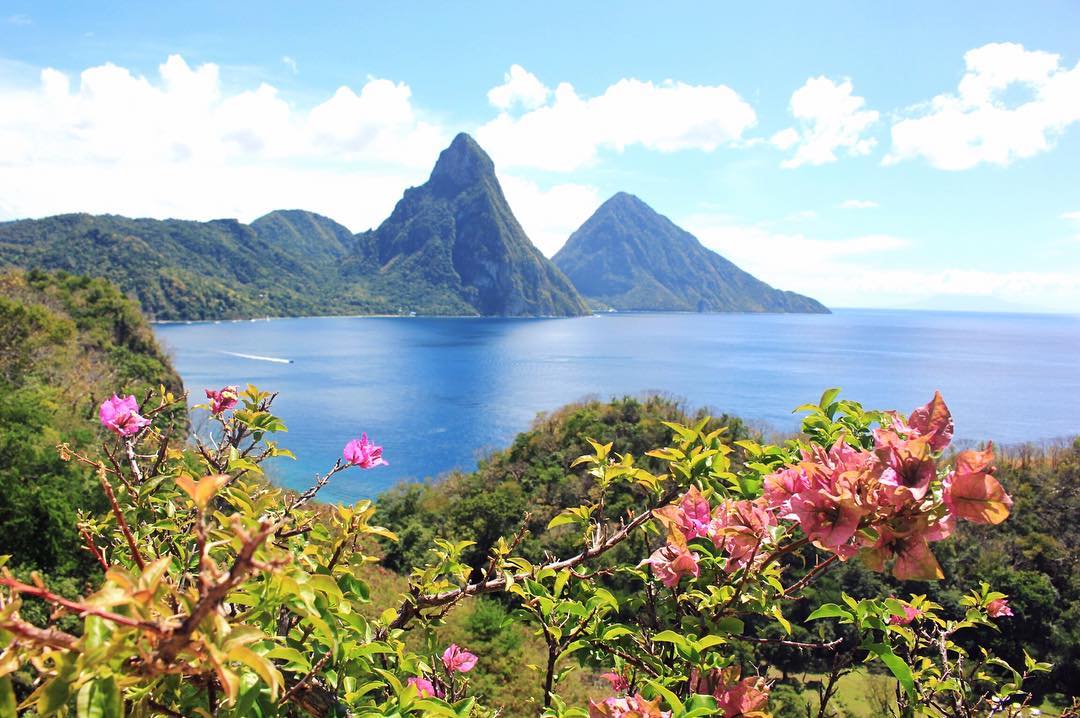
(689, 517)
(972, 493)
(781, 485)
(457, 660)
(223, 399)
(423, 687)
(363, 453)
(121, 415)
(910, 614)
(618, 682)
(695, 514)
(934, 421)
(913, 559)
(740, 528)
(747, 697)
(826, 520)
(670, 563)
(627, 707)
(998, 607)
(734, 698)
(906, 465)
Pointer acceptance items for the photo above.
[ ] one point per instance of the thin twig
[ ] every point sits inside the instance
(81, 609)
(120, 520)
(303, 681)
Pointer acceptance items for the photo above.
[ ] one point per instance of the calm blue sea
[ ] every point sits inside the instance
(439, 393)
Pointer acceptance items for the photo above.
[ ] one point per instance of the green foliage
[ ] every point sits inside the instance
(448, 248)
(67, 342)
(628, 257)
(534, 475)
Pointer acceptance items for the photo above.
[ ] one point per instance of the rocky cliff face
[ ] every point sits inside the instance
(629, 257)
(455, 240)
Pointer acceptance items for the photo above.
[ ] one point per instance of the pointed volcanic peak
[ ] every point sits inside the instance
(629, 257)
(453, 246)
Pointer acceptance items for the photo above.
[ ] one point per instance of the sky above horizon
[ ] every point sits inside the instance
(865, 154)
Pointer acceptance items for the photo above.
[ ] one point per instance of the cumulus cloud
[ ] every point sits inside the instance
(179, 144)
(858, 204)
(520, 87)
(290, 63)
(830, 118)
(569, 130)
(862, 271)
(1010, 104)
(550, 215)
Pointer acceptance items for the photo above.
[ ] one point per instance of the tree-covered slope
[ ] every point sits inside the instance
(66, 343)
(187, 270)
(629, 257)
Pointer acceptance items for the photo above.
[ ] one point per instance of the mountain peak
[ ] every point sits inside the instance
(463, 163)
(625, 199)
(629, 257)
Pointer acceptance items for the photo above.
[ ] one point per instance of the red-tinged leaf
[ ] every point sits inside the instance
(935, 421)
(915, 562)
(980, 498)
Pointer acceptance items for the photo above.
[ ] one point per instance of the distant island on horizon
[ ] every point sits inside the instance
(451, 247)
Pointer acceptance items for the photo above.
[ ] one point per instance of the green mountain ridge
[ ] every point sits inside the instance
(451, 246)
(629, 257)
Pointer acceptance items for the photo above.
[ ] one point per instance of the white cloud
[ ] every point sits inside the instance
(20, 19)
(549, 216)
(858, 204)
(290, 63)
(1073, 217)
(180, 145)
(570, 130)
(520, 87)
(861, 271)
(830, 118)
(981, 122)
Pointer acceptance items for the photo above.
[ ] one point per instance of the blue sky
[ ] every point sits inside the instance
(862, 154)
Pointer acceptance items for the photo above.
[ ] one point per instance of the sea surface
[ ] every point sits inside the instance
(440, 393)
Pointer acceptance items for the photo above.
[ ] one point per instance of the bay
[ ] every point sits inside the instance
(440, 393)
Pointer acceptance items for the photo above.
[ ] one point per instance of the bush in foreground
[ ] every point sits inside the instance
(225, 596)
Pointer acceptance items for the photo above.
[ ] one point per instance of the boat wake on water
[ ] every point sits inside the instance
(276, 360)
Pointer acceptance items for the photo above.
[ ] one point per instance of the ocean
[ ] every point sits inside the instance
(440, 393)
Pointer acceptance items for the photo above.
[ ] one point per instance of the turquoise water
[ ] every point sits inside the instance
(439, 393)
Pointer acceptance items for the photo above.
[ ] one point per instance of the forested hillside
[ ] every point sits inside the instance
(66, 343)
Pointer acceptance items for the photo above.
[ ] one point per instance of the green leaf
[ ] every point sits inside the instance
(7, 698)
(827, 396)
(672, 637)
(731, 625)
(895, 664)
(670, 698)
(830, 610)
(99, 699)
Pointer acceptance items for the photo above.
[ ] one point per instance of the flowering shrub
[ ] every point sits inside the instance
(225, 596)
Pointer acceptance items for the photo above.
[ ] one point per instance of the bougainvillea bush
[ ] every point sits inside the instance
(223, 595)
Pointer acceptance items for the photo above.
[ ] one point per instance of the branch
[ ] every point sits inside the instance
(411, 608)
(303, 681)
(120, 520)
(92, 548)
(320, 482)
(81, 609)
(215, 594)
(52, 637)
(791, 644)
